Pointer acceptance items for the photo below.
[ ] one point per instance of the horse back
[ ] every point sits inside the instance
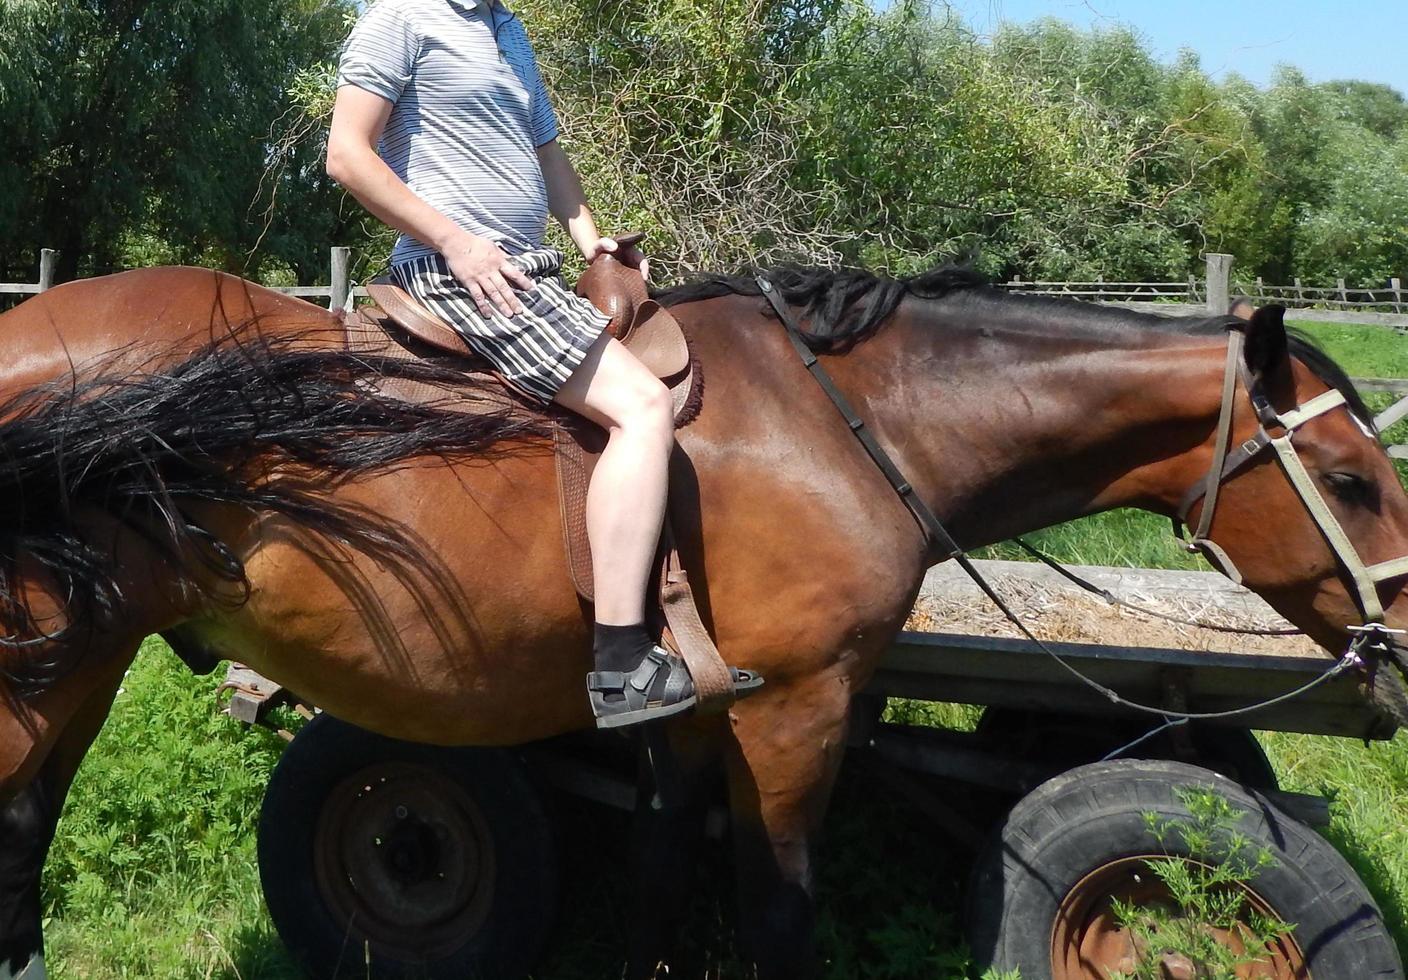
(143, 320)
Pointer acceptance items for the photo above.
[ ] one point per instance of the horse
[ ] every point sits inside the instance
(186, 453)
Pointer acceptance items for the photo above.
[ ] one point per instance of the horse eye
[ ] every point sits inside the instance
(1349, 487)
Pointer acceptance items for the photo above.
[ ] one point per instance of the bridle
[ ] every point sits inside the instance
(1365, 578)
(1373, 636)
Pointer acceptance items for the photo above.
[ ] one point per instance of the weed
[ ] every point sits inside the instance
(1207, 919)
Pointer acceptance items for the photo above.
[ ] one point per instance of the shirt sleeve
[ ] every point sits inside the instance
(380, 54)
(542, 118)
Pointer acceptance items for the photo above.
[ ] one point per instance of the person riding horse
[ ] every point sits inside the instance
(469, 167)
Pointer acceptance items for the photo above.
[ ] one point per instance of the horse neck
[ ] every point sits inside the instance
(1007, 425)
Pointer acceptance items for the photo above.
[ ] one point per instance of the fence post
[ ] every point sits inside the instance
(1219, 286)
(340, 258)
(1300, 291)
(1397, 287)
(1344, 296)
(48, 258)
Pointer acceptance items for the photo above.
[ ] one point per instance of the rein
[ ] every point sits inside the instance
(1374, 635)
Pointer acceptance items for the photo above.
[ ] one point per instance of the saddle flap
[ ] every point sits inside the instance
(414, 318)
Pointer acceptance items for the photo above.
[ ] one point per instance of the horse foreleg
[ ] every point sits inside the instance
(790, 744)
(50, 736)
(669, 825)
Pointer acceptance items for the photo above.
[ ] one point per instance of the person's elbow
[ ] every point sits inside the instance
(339, 162)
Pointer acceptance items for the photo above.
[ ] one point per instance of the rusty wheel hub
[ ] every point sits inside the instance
(1089, 942)
(403, 856)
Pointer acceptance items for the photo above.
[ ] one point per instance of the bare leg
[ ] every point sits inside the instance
(626, 499)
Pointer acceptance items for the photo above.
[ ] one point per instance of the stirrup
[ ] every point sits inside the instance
(659, 687)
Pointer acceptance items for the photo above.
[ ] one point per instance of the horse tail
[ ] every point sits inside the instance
(267, 424)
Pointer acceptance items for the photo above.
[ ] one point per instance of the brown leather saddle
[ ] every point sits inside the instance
(650, 332)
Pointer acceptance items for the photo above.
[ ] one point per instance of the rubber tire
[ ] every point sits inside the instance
(326, 751)
(1085, 818)
(1233, 752)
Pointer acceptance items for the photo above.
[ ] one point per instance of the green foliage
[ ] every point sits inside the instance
(818, 130)
(151, 120)
(1206, 896)
(156, 852)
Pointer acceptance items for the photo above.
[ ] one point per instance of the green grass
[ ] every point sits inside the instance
(153, 872)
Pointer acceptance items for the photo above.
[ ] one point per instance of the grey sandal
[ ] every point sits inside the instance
(659, 688)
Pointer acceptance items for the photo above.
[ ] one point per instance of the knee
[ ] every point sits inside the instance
(650, 409)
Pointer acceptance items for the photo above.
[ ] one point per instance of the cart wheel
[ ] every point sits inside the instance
(382, 858)
(1040, 900)
(1074, 740)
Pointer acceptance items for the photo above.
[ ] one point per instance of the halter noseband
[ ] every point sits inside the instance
(1225, 463)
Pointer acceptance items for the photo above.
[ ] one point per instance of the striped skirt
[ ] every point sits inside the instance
(537, 350)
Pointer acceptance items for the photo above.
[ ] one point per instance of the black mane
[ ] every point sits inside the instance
(843, 307)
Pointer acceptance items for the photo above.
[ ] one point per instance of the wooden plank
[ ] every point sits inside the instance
(20, 288)
(337, 291)
(1018, 674)
(1397, 386)
(1113, 286)
(1398, 452)
(1219, 271)
(1392, 415)
(1396, 320)
(48, 260)
(306, 292)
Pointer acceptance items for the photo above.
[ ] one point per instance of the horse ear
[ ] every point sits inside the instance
(1267, 348)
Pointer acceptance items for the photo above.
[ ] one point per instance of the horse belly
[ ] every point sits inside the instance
(484, 642)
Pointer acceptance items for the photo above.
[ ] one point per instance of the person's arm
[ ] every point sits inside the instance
(359, 117)
(568, 204)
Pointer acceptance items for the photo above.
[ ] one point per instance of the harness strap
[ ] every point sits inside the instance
(713, 680)
(940, 543)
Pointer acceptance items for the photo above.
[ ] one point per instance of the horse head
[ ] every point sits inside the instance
(1295, 495)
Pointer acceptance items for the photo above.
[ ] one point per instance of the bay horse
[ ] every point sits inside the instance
(185, 453)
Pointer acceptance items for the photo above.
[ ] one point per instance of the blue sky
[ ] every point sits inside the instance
(1362, 39)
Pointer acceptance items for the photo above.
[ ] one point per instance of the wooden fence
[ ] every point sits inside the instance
(1386, 306)
(1191, 298)
(337, 292)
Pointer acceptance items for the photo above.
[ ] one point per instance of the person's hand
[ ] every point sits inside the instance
(484, 270)
(631, 257)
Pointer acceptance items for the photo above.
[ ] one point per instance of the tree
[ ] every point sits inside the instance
(145, 124)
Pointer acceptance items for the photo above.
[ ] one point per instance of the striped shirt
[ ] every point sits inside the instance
(469, 111)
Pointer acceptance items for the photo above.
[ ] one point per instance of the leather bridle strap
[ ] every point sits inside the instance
(1224, 435)
(1222, 467)
(1365, 578)
(940, 542)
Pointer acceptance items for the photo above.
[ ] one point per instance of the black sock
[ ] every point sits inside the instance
(621, 647)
